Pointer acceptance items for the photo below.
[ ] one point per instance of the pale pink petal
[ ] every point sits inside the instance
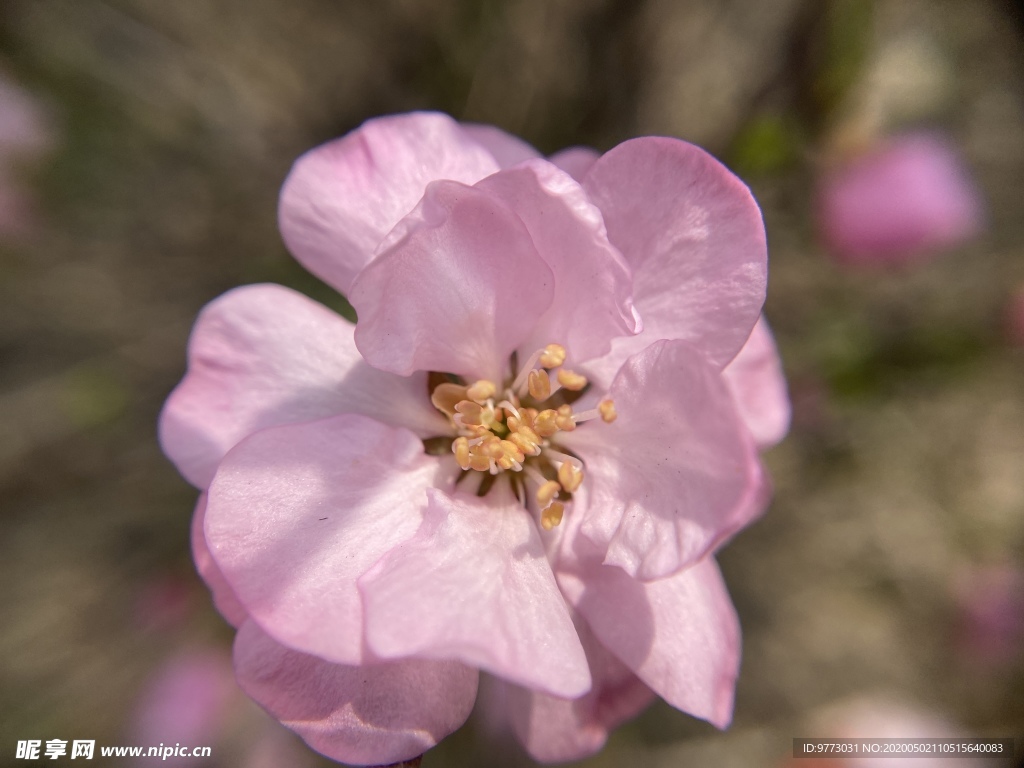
(506, 149)
(694, 238)
(224, 598)
(680, 634)
(474, 585)
(262, 355)
(554, 729)
(575, 161)
(756, 380)
(297, 513)
(457, 288)
(363, 715)
(593, 287)
(675, 473)
(341, 198)
(906, 198)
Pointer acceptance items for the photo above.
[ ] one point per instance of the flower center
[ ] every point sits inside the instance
(515, 429)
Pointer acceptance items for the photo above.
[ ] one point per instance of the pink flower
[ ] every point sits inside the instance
(507, 311)
(879, 717)
(191, 701)
(186, 702)
(899, 202)
(991, 614)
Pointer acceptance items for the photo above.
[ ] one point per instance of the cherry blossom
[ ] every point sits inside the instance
(899, 202)
(521, 458)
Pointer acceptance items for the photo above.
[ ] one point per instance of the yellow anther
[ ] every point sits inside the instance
(529, 434)
(512, 423)
(564, 421)
(491, 448)
(461, 450)
(552, 516)
(529, 416)
(481, 390)
(471, 412)
(539, 384)
(552, 356)
(521, 442)
(524, 443)
(547, 493)
(505, 462)
(571, 380)
(570, 477)
(476, 430)
(446, 396)
(512, 450)
(607, 411)
(479, 463)
(545, 423)
(475, 415)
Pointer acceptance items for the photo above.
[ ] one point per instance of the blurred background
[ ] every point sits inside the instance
(142, 146)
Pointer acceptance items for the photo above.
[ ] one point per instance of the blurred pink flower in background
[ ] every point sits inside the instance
(991, 607)
(368, 586)
(879, 716)
(192, 701)
(898, 202)
(186, 702)
(24, 135)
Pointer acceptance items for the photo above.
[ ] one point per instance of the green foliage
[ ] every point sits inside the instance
(93, 396)
(846, 43)
(767, 144)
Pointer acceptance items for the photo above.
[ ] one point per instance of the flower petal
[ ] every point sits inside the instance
(363, 715)
(297, 513)
(575, 161)
(474, 585)
(554, 729)
(341, 198)
(675, 473)
(263, 355)
(694, 238)
(680, 634)
(224, 598)
(506, 149)
(457, 287)
(593, 287)
(757, 383)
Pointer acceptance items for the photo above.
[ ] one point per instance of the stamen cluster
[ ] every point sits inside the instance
(515, 434)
